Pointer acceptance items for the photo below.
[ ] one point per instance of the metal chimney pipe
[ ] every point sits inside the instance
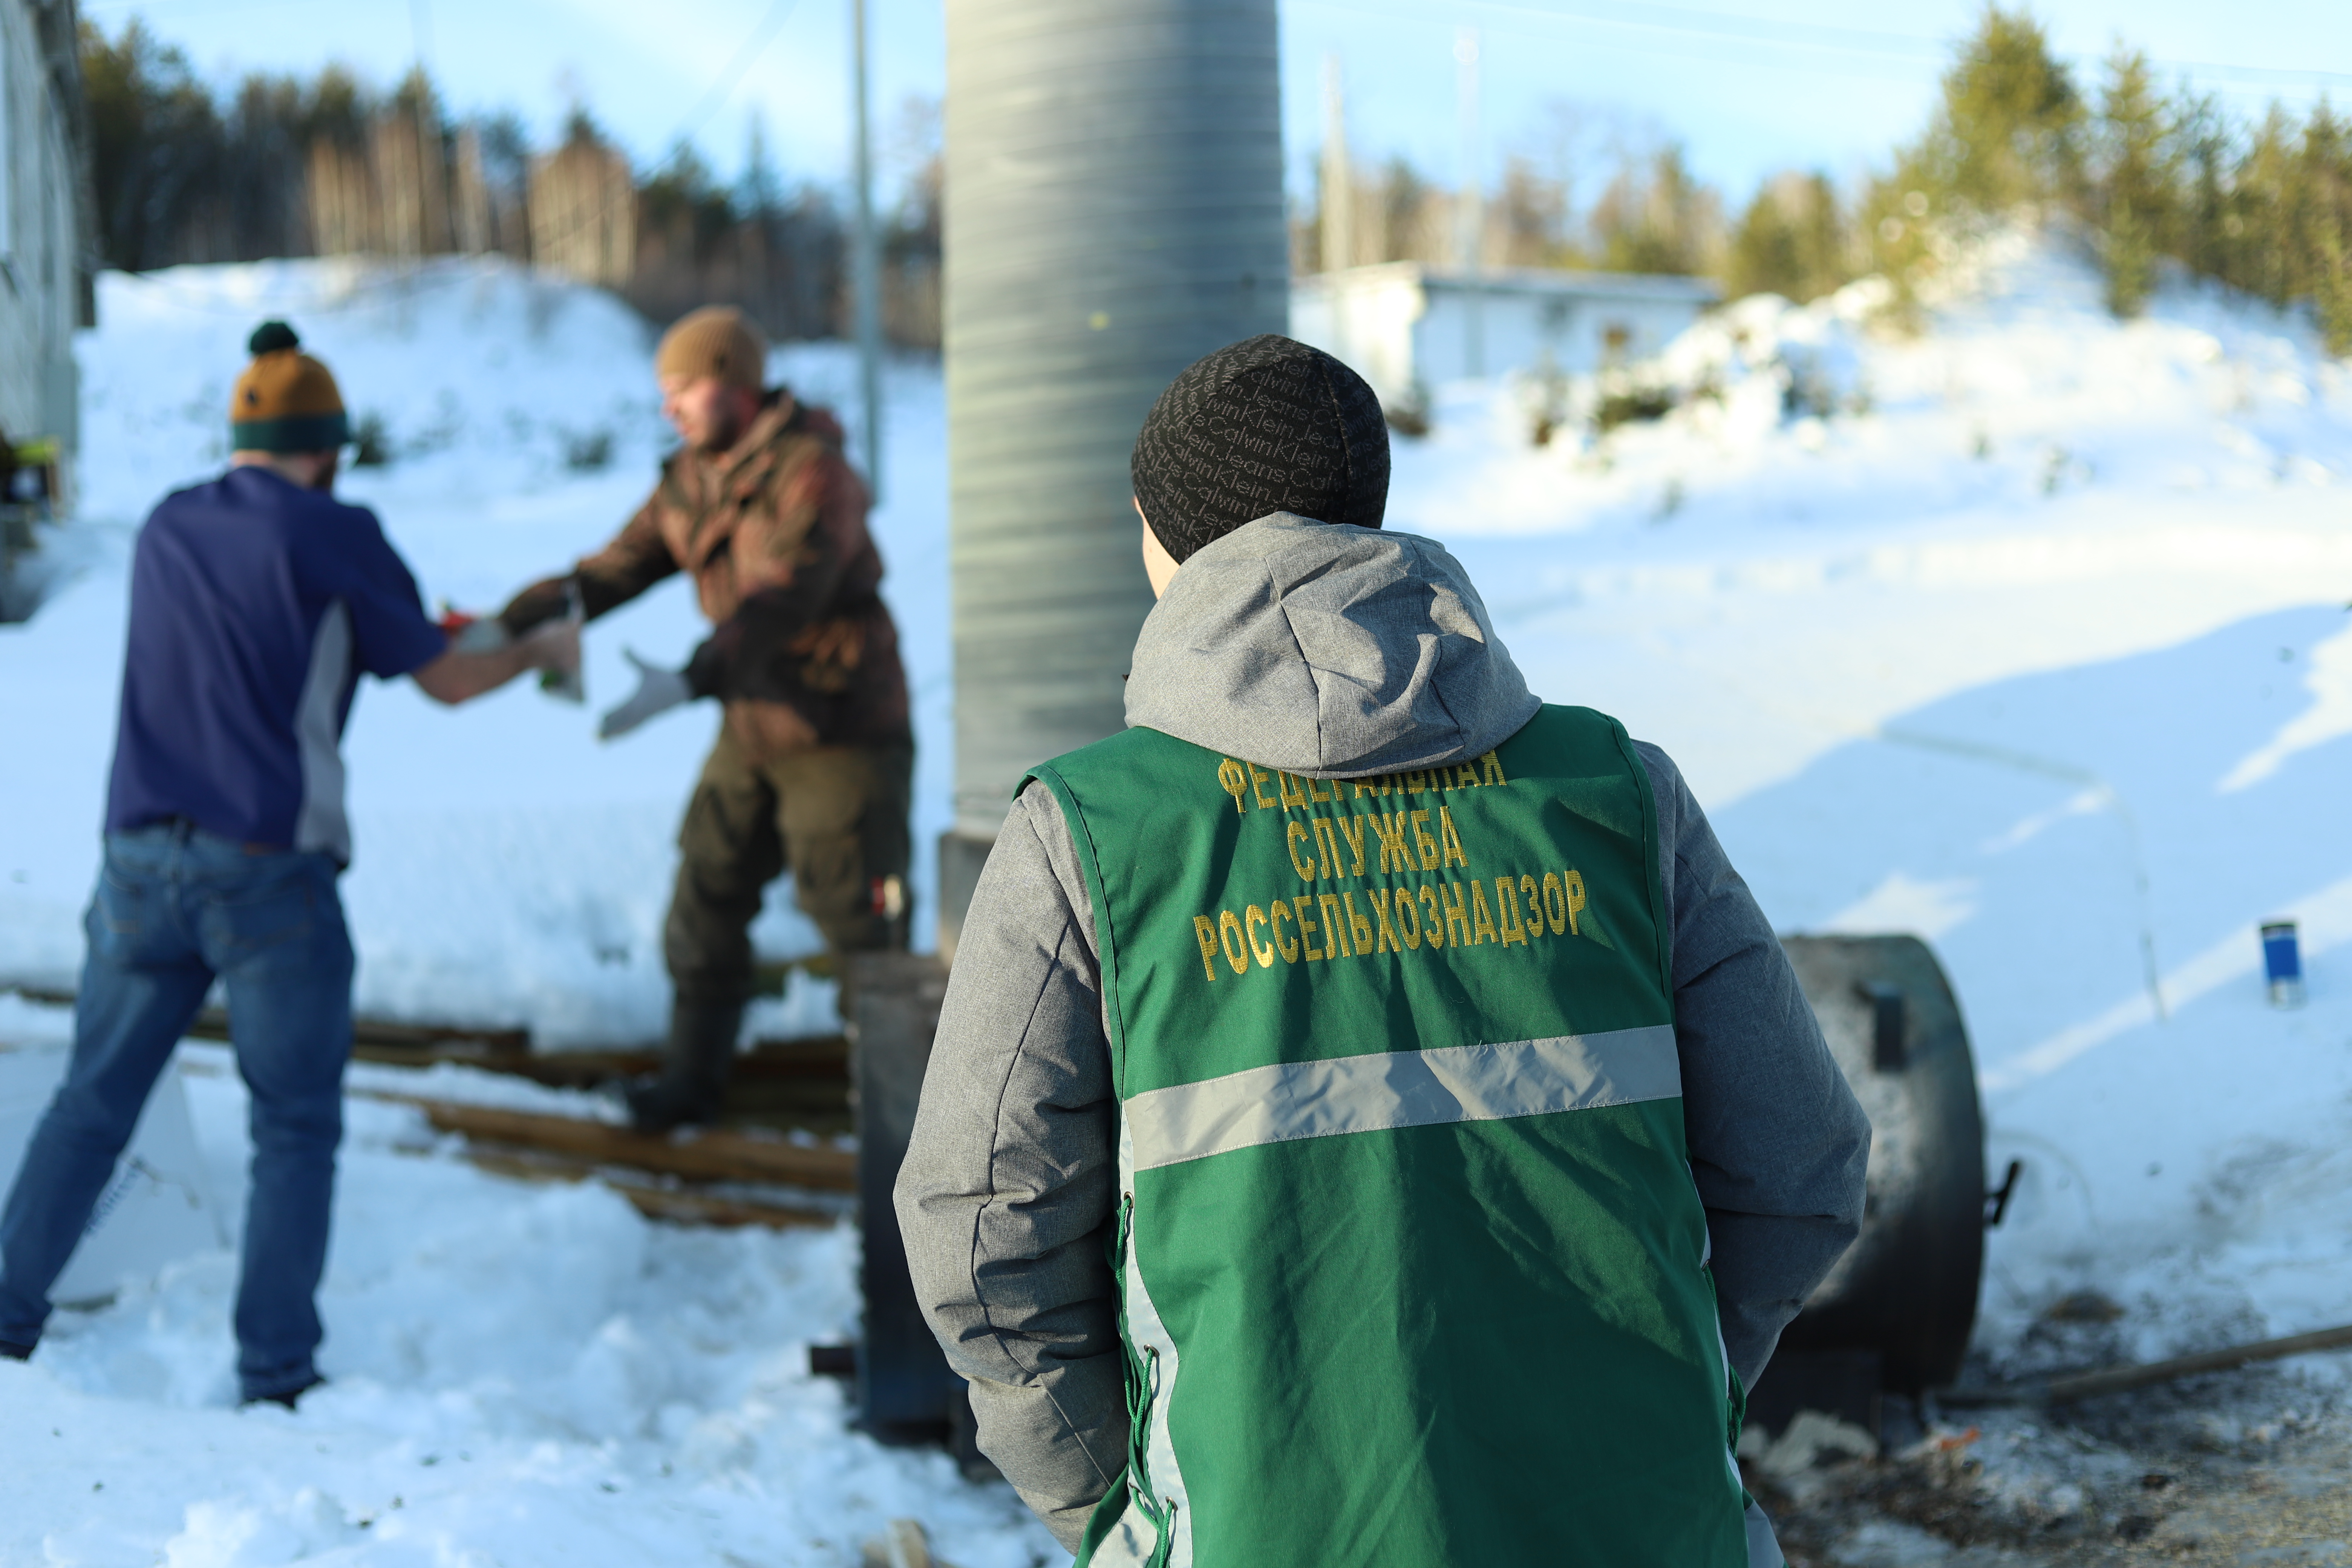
(1114, 210)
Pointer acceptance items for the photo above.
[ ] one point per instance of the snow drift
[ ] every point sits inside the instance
(2026, 635)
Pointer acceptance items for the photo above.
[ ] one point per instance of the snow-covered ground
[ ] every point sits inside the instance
(2035, 646)
(2026, 635)
(510, 870)
(524, 1375)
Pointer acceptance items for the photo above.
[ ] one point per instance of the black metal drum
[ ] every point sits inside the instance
(1906, 1292)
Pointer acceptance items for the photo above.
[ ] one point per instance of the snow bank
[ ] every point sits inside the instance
(2025, 634)
(522, 1374)
(510, 870)
(2033, 644)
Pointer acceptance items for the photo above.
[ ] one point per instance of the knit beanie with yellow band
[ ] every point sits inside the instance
(286, 401)
(718, 340)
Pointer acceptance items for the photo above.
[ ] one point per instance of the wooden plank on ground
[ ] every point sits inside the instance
(713, 1155)
(673, 1205)
(825, 1058)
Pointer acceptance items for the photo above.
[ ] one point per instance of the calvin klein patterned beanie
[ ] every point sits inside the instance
(1263, 426)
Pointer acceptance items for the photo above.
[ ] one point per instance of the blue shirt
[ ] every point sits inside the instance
(254, 606)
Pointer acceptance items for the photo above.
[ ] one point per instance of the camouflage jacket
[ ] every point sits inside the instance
(802, 650)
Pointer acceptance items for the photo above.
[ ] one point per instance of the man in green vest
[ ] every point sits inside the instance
(1372, 1125)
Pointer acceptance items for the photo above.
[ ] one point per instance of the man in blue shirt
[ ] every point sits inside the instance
(256, 601)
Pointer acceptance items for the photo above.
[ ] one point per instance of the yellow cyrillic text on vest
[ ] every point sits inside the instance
(1449, 898)
(1263, 952)
(1507, 924)
(1450, 836)
(1294, 832)
(1228, 927)
(1206, 929)
(1457, 914)
(1359, 931)
(1233, 781)
(1483, 922)
(1355, 841)
(1335, 935)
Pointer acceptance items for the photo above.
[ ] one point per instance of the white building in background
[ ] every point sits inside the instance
(1407, 328)
(43, 284)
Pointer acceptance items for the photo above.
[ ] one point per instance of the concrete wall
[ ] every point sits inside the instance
(40, 226)
(1402, 325)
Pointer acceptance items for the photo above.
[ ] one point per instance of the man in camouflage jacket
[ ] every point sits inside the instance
(812, 767)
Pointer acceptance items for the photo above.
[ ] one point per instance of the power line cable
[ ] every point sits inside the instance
(713, 99)
(722, 88)
(1639, 14)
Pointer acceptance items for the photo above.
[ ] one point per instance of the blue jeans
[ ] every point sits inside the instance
(174, 908)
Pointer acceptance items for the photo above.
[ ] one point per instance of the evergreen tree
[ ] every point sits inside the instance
(1533, 211)
(2136, 198)
(155, 146)
(2322, 227)
(2006, 135)
(2261, 212)
(2201, 238)
(2012, 118)
(1656, 218)
(1792, 241)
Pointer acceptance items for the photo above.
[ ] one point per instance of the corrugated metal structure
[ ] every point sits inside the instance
(1114, 211)
(43, 181)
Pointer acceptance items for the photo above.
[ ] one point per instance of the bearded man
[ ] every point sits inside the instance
(813, 765)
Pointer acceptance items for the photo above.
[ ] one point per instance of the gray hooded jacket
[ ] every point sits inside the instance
(1333, 652)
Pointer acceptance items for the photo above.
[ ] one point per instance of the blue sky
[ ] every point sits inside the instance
(1748, 86)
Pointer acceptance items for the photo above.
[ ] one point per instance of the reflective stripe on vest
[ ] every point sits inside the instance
(1411, 1268)
(1391, 1090)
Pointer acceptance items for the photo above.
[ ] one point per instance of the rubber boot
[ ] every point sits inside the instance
(692, 1084)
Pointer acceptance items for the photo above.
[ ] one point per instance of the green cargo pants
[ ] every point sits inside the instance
(834, 816)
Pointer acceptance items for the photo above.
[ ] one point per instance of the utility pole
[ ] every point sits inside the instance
(1471, 205)
(1338, 235)
(865, 268)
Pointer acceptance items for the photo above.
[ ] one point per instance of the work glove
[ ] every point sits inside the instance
(566, 682)
(473, 634)
(658, 690)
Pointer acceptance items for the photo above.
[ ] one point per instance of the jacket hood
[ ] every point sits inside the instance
(1328, 650)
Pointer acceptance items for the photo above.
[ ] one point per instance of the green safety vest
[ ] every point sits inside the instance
(1412, 1270)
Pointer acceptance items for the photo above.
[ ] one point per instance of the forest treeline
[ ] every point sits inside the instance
(2139, 175)
(2142, 176)
(282, 165)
